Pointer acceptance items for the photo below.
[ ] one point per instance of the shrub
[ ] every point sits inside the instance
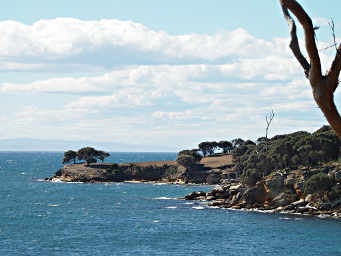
(186, 161)
(318, 183)
(335, 192)
(250, 177)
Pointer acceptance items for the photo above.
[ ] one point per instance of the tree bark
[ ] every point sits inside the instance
(323, 86)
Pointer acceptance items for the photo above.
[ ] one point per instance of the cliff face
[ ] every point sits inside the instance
(209, 170)
(114, 173)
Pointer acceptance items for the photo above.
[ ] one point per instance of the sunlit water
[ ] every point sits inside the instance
(39, 218)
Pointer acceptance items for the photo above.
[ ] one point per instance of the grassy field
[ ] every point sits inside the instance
(216, 161)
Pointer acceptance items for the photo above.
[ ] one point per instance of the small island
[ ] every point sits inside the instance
(297, 173)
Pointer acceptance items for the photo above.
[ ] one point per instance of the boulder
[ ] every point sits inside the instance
(195, 195)
(274, 185)
(256, 194)
(210, 198)
(290, 180)
(213, 178)
(283, 199)
(299, 203)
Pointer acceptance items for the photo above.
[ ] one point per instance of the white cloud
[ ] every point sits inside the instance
(106, 43)
(190, 87)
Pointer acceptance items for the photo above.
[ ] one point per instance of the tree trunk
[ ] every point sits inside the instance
(323, 86)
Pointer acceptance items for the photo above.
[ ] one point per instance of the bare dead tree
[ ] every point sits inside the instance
(323, 86)
(268, 119)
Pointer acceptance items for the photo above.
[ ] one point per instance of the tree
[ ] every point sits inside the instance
(101, 155)
(88, 154)
(194, 153)
(323, 86)
(204, 148)
(70, 155)
(268, 119)
(237, 142)
(225, 145)
(212, 146)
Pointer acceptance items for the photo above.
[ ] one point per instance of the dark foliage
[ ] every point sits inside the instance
(287, 151)
(225, 145)
(69, 156)
(318, 183)
(90, 155)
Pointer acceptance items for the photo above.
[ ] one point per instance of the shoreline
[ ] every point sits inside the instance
(215, 203)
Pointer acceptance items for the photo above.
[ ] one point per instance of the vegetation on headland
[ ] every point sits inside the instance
(87, 154)
(293, 173)
(298, 172)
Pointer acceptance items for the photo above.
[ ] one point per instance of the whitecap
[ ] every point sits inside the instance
(171, 207)
(164, 198)
(189, 203)
(323, 216)
(53, 205)
(156, 221)
(198, 207)
(285, 218)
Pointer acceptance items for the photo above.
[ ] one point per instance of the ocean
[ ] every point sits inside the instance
(41, 218)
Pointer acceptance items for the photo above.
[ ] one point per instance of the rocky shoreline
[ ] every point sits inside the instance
(277, 193)
(297, 173)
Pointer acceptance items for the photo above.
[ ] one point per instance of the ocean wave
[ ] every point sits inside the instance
(53, 205)
(164, 198)
(198, 207)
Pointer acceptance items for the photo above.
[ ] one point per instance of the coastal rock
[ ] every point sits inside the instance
(256, 194)
(274, 185)
(195, 195)
(280, 200)
(299, 203)
(290, 180)
(213, 178)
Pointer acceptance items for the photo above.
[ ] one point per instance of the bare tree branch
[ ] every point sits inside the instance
(268, 119)
(309, 35)
(332, 27)
(323, 86)
(294, 44)
(334, 71)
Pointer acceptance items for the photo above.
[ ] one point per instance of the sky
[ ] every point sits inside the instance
(154, 72)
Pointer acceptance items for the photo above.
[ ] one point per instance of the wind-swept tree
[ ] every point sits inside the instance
(70, 155)
(204, 148)
(225, 145)
(87, 154)
(101, 155)
(237, 142)
(323, 86)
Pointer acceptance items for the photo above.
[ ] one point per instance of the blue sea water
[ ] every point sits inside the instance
(40, 218)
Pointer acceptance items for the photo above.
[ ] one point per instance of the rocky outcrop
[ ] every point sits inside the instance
(210, 170)
(167, 171)
(283, 191)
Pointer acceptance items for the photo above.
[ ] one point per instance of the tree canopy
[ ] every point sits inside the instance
(87, 154)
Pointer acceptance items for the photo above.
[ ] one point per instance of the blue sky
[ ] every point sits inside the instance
(153, 72)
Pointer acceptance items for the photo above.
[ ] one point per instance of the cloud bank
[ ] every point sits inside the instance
(120, 81)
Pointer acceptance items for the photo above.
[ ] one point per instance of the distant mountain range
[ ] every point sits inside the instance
(28, 144)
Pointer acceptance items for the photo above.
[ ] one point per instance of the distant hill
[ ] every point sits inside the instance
(29, 144)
